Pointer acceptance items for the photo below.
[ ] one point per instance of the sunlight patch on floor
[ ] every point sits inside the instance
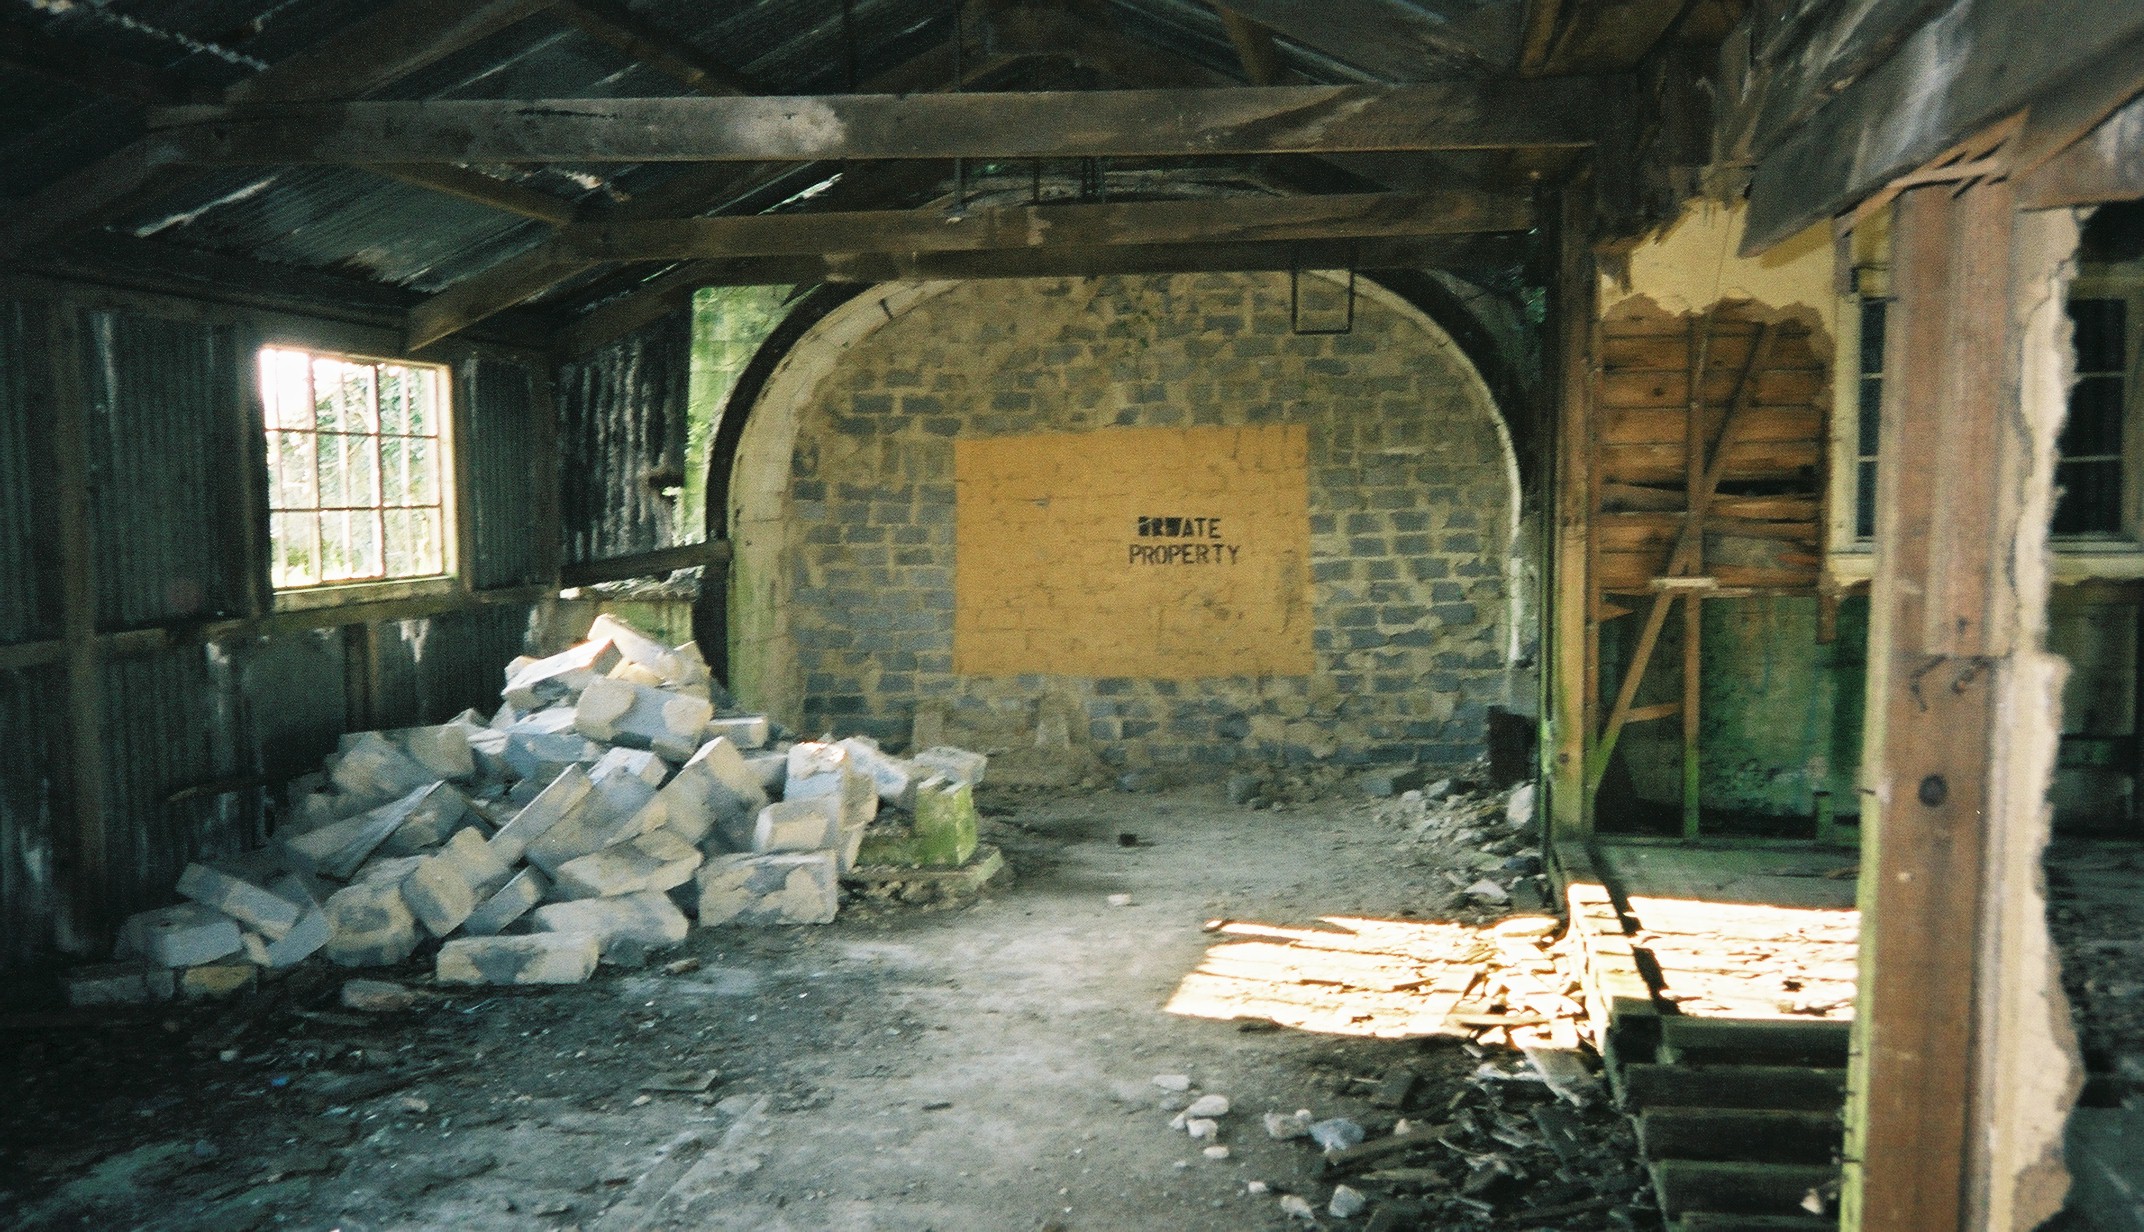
(1743, 960)
(1387, 979)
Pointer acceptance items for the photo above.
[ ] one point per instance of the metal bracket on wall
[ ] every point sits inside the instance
(1295, 301)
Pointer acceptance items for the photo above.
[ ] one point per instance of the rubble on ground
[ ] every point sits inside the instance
(1484, 846)
(611, 800)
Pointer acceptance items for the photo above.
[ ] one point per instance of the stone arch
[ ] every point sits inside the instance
(1417, 564)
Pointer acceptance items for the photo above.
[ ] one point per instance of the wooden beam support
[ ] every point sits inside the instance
(1984, 62)
(1255, 48)
(1080, 225)
(671, 290)
(1963, 706)
(485, 190)
(645, 564)
(617, 26)
(365, 55)
(872, 246)
(82, 862)
(2107, 165)
(1566, 113)
(1567, 684)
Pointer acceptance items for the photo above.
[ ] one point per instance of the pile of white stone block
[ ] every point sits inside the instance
(602, 807)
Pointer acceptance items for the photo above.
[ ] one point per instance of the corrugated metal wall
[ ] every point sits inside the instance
(621, 417)
(431, 670)
(172, 735)
(164, 470)
(27, 898)
(28, 608)
(503, 472)
(190, 736)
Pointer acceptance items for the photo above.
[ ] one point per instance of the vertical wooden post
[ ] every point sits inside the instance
(1960, 742)
(550, 495)
(83, 860)
(1693, 534)
(1570, 597)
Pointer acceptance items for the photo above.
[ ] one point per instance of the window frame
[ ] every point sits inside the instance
(445, 421)
(2075, 558)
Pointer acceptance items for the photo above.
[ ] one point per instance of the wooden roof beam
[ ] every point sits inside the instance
(822, 242)
(1255, 48)
(369, 53)
(1565, 113)
(669, 291)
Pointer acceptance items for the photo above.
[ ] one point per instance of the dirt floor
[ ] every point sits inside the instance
(988, 1065)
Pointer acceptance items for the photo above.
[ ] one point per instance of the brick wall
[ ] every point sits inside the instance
(844, 517)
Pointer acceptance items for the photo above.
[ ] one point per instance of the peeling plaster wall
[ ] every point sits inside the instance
(1783, 711)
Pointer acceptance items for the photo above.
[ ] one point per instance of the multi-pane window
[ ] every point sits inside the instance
(1868, 415)
(355, 454)
(2090, 467)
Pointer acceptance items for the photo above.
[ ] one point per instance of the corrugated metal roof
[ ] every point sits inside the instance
(27, 601)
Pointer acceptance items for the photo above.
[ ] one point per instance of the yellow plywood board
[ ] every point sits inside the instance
(1157, 553)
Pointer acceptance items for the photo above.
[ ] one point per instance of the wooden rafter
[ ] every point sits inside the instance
(1255, 48)
(617, 26)
(390, 43)
(825, 244)
(1566, 113)
(656, 296)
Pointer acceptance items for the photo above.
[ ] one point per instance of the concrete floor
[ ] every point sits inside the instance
(986, 1067)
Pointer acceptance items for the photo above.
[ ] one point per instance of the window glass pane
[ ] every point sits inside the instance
(295, 552)
(2094, 425)
(419, 384)
(1873, 313)
(1865, 500)
(2100, 334)
(286, 394)
(2090, 499)
(1870, 415)
(290, 466)
(393, 393)
(414, 544)
(354, 468)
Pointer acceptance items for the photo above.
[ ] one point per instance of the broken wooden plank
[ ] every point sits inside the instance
(1560, 114)
(1736, 1188)
(1774, 1135)
(1794, 1087)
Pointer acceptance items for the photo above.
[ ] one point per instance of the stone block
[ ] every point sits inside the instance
(655, 861)
(769, 889)
(118, 983)
(893, 778)
(442, 750)
(372, 768)
(959, 765)
(521, 892)
(185, 935)
(540, 958)
(215, 981)
(253, 906)
(487, 748)
(665, 665)
(476, 862)
(770, 768)
(637, 922)
(435, 816)
(946, 822)
(819, 770)
(566, 796)
(307, 935)
(748, 732)
(798, 825)
(715, 791)
(438, 896)
(543, 756)
(369, 925)
(634, 715)
(535, 684)
(337, 850)
(388, 868)
(601, 821)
